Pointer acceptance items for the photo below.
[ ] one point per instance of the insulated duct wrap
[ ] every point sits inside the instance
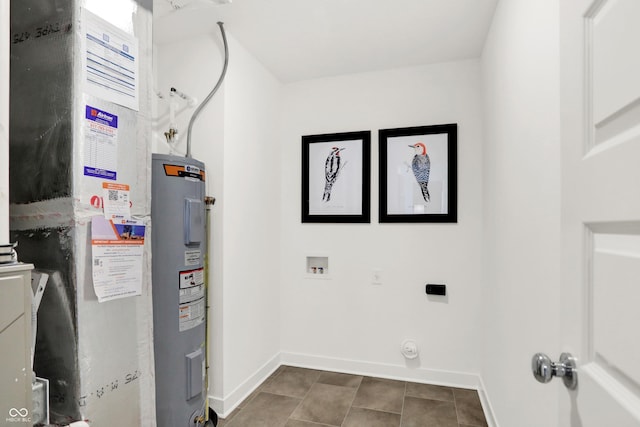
(97, 356)
(41, 100)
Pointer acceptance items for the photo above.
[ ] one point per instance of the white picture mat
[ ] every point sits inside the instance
(404, 196)
(346, 193)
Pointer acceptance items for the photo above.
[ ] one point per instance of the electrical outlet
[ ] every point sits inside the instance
(376, 277)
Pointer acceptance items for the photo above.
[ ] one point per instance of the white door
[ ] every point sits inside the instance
(600, 299)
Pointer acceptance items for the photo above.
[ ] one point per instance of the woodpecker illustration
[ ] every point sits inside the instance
(332, 167)
(421, 166)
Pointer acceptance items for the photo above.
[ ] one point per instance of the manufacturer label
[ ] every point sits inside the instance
(192, 258)
(190, 172)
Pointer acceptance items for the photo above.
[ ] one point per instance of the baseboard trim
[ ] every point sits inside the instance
(487, 408)
(395, 372)
(224, 406)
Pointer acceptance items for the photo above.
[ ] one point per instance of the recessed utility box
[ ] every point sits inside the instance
(317, 266)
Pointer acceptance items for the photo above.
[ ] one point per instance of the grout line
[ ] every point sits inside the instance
(283, 368)
(455, 405)
(352, 400)
(305, 395)
(403, 399)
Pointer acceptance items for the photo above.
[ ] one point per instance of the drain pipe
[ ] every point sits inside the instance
(215, 89)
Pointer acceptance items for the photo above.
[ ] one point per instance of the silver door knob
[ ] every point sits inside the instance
(544, 369)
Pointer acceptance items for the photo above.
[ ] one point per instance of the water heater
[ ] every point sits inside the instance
(179, 303)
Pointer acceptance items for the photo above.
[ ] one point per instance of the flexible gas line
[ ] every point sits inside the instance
(215, 89)
(208, 202)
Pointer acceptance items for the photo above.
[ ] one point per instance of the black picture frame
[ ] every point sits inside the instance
(336, 189)
(424, 191)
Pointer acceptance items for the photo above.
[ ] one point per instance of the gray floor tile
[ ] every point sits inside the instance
(222, 422)
(427, 391)
(249, 398)
(335, 378)
(428, 413)
(265, 410)
(299, 397)
(469, 407)
(360, 417)
(325, 404)
(380, 394)
(261, 387)
(298, 423)
(275, 373)
(294, 382)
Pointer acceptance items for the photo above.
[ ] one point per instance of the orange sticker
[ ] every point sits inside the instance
(187, 171)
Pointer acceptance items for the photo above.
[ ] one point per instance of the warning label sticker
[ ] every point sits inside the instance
(191, 314)
(191, 285)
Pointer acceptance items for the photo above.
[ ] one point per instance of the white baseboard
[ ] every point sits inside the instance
(395, 372)
(487, 408)
(225, 405)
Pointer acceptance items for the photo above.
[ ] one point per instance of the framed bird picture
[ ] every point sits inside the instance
(418, 174)
(336, 172)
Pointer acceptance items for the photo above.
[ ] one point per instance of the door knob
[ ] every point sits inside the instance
(544, 369)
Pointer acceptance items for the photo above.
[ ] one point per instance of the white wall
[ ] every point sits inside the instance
(520, 67)
(347, 323)
(251, 236)
(500, 301)
(235, 136)
(4, 122)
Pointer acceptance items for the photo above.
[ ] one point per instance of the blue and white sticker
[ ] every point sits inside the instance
(101, 144)
(192, 173)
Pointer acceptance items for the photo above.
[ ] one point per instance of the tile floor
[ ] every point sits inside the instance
(297, 397)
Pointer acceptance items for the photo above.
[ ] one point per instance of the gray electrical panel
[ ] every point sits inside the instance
(179, 303)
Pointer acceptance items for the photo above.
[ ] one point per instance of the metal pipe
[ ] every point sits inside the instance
(215, 89)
